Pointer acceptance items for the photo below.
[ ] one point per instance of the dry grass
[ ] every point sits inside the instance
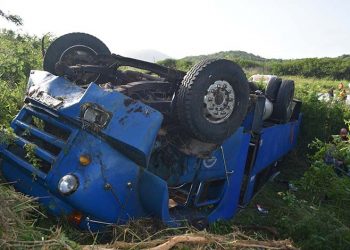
(148, 234)
(15, 213)
(17, 231)
(18, 214)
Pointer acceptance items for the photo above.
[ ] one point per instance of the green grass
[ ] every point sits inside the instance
(310, 225)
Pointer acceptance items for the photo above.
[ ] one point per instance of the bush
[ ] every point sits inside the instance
(334, 68)
(18, 55)
(321, 230)
(320, 119)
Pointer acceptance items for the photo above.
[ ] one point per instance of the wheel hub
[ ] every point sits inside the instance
(219, 101)
(80, 54)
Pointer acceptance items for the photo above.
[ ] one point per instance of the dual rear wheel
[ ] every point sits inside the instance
(281, 93)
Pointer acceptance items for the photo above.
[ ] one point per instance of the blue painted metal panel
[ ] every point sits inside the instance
(25, 182)
(39, 133)
(127, 115)
(154, 196)
(25, 167)
(43, 154)
(45, 117)
(236, 155)
(110, 179)
(275, 142)
(232, 149)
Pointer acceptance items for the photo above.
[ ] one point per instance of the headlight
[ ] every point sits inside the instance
(95, 115)
(68, 184)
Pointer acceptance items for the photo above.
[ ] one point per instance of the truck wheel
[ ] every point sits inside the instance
(212, 100)
(283, 107)
(73, 49)
(272, 88)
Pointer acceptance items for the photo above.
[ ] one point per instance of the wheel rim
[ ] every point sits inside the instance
(219, 102)
(80, 54)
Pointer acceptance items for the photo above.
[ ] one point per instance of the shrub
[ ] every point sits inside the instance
(18, 55)
(321, 119)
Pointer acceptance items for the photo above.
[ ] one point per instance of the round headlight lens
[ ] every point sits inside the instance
(68, 184)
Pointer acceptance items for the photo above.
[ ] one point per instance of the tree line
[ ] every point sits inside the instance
(337, 68)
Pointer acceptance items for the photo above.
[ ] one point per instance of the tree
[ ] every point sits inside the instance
(17, 20)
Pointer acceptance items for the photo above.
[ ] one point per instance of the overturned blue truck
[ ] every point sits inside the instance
(117, 138)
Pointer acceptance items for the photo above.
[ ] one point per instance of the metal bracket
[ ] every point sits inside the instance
(227, 173)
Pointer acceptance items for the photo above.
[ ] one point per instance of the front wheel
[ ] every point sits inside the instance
(212, 100)
(74, 49)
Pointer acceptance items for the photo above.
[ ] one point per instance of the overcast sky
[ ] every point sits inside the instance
(269, 28)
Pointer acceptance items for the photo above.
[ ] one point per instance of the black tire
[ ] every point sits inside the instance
(72, 40)
(272, 88)
(193, 89)
(282, 108)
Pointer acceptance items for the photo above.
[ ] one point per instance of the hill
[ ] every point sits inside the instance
(230, 55)
(243, 55)
(336, 68)
(148, 55)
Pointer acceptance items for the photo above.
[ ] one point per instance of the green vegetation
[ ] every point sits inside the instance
(332, 68)
(7, 136)
(320, 119)
(18, 55)
(315, 216)
(31, 156)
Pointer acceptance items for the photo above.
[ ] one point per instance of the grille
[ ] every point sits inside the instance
(46, 132)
